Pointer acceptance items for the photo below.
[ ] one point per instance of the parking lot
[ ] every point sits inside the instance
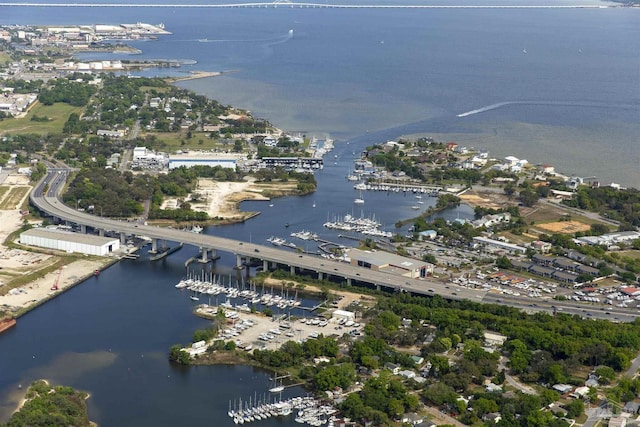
(254, 330)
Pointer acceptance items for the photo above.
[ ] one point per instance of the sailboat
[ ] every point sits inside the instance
(314, 204)
(277, 388)
(359, 200)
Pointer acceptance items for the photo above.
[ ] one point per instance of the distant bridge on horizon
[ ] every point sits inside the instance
(289, 4)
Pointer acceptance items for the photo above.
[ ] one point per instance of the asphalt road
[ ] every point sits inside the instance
(50, 204)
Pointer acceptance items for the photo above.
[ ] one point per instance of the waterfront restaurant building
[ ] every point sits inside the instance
(69, 242)
(388, 262)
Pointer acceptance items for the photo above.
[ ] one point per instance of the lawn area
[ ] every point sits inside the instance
(14, 197)
(157, 89)
(3, 191)
(543, 213)
(631, 253)
(178, 141)
(57, 113)
(4, 58)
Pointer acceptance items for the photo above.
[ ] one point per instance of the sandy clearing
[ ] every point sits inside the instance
(221, 198)
(18, 262)
(41, 289)
(564, 226)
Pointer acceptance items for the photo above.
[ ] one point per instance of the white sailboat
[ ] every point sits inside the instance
(359, 200)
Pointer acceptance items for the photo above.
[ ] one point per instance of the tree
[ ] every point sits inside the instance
(528, 197)
(575, 408)
(503, 262)
(439, 394)
(177, 355)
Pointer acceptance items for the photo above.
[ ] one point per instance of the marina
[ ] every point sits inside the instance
(307, 410)
(366, 226)
(212, 286)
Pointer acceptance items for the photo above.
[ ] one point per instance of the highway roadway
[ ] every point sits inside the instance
(45, 197)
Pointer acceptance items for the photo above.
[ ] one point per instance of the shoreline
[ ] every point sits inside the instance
(193, 75)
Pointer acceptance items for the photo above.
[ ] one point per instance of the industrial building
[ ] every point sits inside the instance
(69, 242)
(498, 245)
(388, 262)
(202, 159)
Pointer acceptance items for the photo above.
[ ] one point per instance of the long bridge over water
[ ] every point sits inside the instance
(302, 5)
(45, 197)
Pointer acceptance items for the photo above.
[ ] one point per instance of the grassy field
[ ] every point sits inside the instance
(15, 195)
(3, 191)
(4, 58)
(543, 213)
(157, 89)
(57, 113)
(630, 254)
(178, 141)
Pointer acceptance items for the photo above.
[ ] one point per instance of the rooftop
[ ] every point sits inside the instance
(67, 236)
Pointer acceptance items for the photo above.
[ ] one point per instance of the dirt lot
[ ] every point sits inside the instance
(489, 200)
(564, 227)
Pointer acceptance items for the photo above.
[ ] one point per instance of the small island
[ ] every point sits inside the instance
(49, 405)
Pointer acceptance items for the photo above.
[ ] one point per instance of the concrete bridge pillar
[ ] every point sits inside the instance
(292, 270)
(123, 237)
(213, 254)
(348, 281)
(320, 275)
(154, 246)
(378, 288)
(101, 232)
(265, 265)
(239, 262)
(83, 229)
(204, 258)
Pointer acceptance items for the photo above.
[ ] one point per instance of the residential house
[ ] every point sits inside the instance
(395, 369)
(492, 418)
(631, 408)
(407, 374)
(494, 339)
(617, 422)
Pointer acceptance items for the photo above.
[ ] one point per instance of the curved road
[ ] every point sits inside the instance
(45, 197)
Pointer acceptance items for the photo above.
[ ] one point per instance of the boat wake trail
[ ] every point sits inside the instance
(547, 103)
(270, 41)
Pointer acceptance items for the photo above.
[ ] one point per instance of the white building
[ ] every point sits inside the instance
(490, 244)
(69, 242)
(343, 314)
(203, 159)
(139, 152)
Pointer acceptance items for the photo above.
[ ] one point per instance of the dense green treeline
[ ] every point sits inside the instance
(108, 192)
(619, 204)
(70, 92)
(570, 340)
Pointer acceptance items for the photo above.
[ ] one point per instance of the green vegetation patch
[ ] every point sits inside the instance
(57, 115)
(174, 141)
(4, 58)
(11, 200)
(3, 190)
(51, 406)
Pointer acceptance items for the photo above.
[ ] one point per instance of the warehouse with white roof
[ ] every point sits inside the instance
(69, 242)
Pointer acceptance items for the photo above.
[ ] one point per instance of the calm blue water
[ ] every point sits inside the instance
(363, 76)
